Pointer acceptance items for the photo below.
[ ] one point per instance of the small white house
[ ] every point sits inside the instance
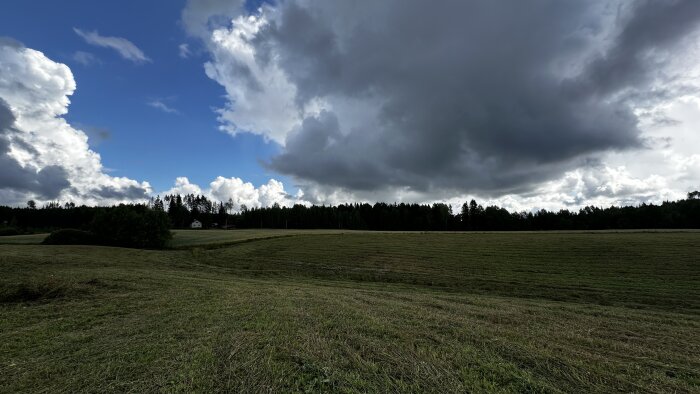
(196, 224)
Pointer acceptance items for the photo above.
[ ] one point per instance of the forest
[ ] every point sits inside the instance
(183, 210)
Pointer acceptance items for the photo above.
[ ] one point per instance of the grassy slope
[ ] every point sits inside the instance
(31, 239)
(357, 312)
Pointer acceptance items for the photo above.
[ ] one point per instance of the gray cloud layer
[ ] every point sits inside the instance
(470, 96)
(199, 16)
(123, 193)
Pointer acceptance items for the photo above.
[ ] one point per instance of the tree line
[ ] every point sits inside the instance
(181, 211)
(472, 217)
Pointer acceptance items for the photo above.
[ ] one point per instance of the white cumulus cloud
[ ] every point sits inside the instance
(37, 90)
(239, 192)
(260, 97)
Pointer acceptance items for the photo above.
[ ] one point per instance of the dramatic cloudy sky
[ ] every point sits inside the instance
(526, 104)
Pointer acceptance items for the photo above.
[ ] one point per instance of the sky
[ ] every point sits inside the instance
(528, 105)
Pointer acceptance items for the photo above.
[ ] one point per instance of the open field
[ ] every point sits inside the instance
(356, 312)
(184, 239)
(31, 239)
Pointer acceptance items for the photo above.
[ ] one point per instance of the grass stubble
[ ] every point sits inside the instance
(355, 312)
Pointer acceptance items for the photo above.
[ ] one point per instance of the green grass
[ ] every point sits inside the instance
(356, 312)
(185, 239)
(31, 239)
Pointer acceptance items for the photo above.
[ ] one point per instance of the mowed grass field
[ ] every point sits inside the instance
(30, 239)
(208, 239)
(355, 312)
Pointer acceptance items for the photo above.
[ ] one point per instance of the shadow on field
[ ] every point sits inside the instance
(48, 289)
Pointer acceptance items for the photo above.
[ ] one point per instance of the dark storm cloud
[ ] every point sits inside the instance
(47, 182)
(486, 96)
(653, 28)
(50, 181)
(7, 118)
(318, 151)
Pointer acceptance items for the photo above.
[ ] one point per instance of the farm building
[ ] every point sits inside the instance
(196, 224)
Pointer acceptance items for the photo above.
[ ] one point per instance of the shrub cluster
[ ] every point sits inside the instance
(131, 226)
(70, 236)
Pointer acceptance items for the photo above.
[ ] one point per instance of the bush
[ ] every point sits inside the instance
(132, 226)
(70, 236)
(8, 231)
